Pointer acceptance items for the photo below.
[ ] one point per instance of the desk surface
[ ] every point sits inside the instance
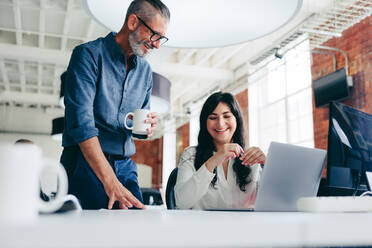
(187, 228)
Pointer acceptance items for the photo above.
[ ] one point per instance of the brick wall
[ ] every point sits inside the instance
(182, 140)
(242, 99)
(356, 42)
(150, 152)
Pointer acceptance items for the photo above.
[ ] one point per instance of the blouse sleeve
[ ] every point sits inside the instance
(191, 185)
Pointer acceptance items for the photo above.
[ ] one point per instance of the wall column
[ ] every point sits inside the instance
(169, 151)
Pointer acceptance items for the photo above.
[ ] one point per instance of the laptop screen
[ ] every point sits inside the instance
(290, 172)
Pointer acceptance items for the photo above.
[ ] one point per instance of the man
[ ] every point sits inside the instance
(106, 79)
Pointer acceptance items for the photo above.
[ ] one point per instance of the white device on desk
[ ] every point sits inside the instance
(290, 172)
(338, 203)
(335, 204)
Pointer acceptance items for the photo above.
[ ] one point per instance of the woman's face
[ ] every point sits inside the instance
(221, 124)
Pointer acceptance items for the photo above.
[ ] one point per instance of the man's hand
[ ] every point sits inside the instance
(117, 192)
(153, 120)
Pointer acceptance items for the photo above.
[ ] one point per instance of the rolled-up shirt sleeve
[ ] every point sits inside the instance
(80, 90)
(191, 185)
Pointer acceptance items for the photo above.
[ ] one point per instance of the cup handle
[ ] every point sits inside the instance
(53, 205)
(125, 121)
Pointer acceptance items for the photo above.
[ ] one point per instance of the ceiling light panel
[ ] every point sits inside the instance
(222, 23)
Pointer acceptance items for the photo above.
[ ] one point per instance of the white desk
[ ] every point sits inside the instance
(162, 228)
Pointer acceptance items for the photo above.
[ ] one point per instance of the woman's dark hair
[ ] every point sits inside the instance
(206, 146)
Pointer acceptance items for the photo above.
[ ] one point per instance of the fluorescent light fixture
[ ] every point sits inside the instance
(322, 32)
(205, 24)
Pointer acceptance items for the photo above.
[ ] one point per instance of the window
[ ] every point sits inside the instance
(280, 101)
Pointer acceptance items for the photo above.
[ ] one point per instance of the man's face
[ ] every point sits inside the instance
(140, 39)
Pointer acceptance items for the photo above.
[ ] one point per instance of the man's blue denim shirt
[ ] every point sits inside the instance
(99, 93)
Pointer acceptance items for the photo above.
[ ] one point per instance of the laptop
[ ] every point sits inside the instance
(290, 172)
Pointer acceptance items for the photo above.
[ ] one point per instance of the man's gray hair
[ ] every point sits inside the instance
(147, 9)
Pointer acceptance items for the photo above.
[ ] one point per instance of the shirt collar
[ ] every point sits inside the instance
(132, 62)
(117, 53)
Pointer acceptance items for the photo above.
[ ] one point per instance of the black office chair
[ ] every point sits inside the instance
(151, 193)
(169, 192)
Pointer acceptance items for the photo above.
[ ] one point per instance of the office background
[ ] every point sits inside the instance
(37, 37)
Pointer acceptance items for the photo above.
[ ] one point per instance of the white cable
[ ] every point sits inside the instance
(366, 193)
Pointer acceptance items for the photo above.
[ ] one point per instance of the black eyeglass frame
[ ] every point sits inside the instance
(161, 37)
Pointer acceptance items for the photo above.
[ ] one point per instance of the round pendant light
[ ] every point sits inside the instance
(205, 24)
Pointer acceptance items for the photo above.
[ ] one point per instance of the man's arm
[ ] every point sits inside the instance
(115, 191)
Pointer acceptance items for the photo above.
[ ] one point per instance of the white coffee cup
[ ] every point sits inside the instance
(20, 169)
(139, 126)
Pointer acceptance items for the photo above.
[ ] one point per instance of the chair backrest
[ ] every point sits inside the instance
(169, 192)
(151, 196)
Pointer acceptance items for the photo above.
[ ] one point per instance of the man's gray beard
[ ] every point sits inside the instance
(135, 44)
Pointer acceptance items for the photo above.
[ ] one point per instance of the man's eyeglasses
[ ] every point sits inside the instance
(155, 35)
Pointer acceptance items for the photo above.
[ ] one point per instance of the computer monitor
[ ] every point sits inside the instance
(349, 150)
(332, 87)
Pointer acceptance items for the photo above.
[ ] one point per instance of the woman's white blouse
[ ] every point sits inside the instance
(193, 189)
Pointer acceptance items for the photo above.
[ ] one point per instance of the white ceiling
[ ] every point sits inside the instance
(37, 37)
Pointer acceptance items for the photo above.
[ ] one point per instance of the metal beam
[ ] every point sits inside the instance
(17, 22)
(56, 35)
(22, 75)
(191, 71)
(39, 76)
(51, 56)
(42, 55)
(223, 58)
(90, 30)
(66, 25)
(202, 57)
(56, 79)
(184, 87)
(4, 73)
(29, 98)
(42, 24)
(185, 56)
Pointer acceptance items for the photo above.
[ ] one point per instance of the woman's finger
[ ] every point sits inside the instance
(229, 155)
(248, 153)
(236, 148)
(261, 159)
(253, 157)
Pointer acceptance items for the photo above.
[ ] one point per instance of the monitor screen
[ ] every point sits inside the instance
(349, 149)
(332, 87)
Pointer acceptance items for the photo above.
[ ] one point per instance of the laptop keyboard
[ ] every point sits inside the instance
(335, 204)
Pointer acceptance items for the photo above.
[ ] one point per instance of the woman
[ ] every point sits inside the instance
(219, 172)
